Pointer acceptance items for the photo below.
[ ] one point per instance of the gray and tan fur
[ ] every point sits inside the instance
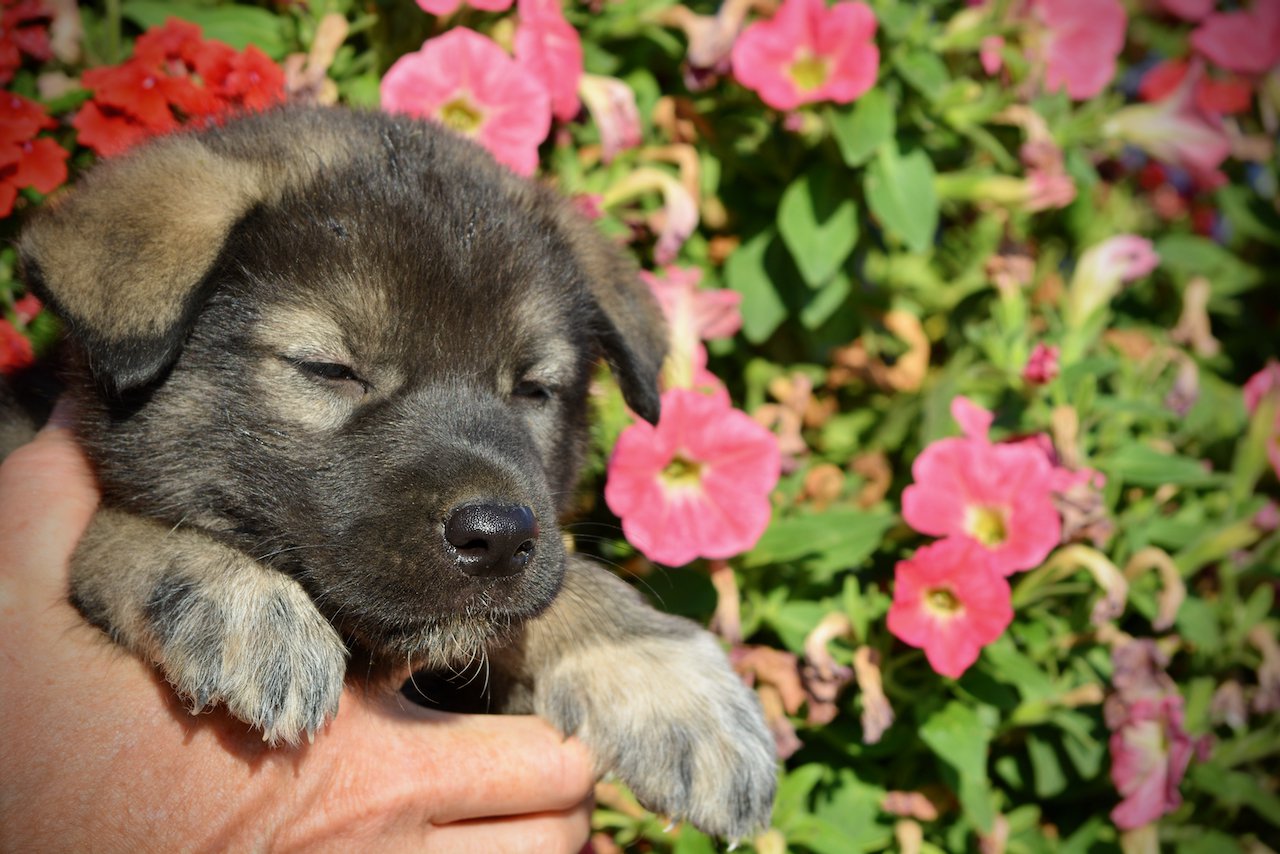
(302, 347)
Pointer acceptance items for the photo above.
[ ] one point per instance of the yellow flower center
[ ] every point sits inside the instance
(461, 115)
(809, 72)
(942, 602)
(682, 471)
(986, 525)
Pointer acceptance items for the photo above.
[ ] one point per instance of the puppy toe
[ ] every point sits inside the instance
(672, 721)
(255, 643)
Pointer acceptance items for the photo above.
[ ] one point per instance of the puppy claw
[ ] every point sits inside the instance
(254, 642)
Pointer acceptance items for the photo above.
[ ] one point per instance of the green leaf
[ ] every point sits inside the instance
(818, 222)
(1237, 789)
(747, 272)
(1049, 777)
(854, 534)
(826, 301)
(238, 26)
(1141, 465)
(901, 194)
(926, 72)
(693, 841)
(861, 129)
(959, 737)
(1184, 256)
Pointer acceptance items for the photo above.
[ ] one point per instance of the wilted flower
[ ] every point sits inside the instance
(877, 714)
(948, 601)
(997, 496)
(1042, 364)
(1175, 130)
(1102, 269)
(1150, 748)
(697, 484)
(678, 217)
(550, 48)
(1247, 41)
(612, 105)
(469, 84)
(1082, 40)
(809, 52)
(693, 315)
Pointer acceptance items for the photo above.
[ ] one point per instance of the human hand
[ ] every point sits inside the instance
(99, 754)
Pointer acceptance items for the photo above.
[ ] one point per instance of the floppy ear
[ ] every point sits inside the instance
(124, 257)
(634, 332)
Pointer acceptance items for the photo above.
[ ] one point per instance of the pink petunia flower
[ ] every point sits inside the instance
(697, 484)
(950, 603)
(1042, 365)
(466, 82)
(1176, 130)
(549, 47)
(809, 52)
(989, 54)
(1222, 96)
(441, 8)
(998, 496)
(1246, 41)
(1083, 39)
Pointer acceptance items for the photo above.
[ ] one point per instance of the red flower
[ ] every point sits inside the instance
(466, 82)
(697, 484)
(1246, 41)
(174, 76)
(950, 603)
(24, 29)
(809, 52)
(1084, 37)
(549, 47)
(999, 497)
(16, 352)
(27, 160)
(1213, 95)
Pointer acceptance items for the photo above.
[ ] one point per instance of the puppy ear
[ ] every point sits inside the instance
(634, 332)
(123, 258)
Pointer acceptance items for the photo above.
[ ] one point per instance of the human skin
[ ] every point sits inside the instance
(98, 754)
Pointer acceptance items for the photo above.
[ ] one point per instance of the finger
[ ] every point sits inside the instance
(554, 833)
(466, 766)
(47, 496)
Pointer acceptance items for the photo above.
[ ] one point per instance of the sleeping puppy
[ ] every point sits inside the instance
(332, 368)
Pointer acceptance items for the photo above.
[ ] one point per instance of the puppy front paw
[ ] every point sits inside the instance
(671, 719)
(253, 641)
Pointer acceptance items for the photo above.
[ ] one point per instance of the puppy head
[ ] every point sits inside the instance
(362, 356)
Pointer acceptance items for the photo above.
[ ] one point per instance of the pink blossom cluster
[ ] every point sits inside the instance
(993, 506)
(696, 484)
(1266, 384)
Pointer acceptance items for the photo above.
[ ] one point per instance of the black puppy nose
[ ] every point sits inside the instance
(492, 540)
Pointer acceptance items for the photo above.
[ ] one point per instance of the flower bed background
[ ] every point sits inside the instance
(971, 428)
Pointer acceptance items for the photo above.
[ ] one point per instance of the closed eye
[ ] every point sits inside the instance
(332, 372)
(532, 392)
